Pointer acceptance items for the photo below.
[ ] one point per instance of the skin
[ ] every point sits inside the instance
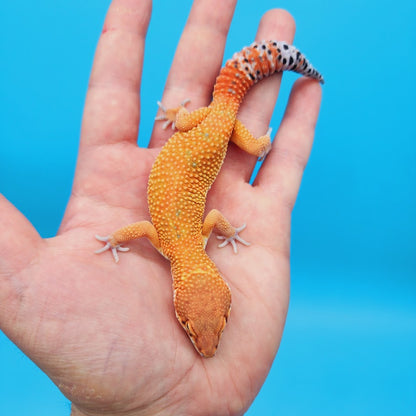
(106, 333)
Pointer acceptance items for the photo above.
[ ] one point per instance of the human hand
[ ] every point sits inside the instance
(106, 333)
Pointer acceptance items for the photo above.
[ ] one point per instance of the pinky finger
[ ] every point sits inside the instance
(282, 171)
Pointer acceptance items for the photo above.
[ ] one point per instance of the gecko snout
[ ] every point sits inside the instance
(205, 341)
(203, 310)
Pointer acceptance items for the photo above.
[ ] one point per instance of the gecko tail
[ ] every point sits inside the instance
(288, 58)
(269, 56)
(260, 60)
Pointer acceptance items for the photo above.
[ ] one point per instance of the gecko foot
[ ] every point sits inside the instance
(108, 246)
(232, 240)
(169, 114)
(265, 152)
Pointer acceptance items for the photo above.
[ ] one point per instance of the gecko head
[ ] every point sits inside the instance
(202, 305)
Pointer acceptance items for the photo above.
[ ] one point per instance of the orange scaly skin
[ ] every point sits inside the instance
(179, 181)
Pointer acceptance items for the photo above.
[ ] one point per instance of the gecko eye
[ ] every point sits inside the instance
(227, 315)
(224, 321)
(190, 330)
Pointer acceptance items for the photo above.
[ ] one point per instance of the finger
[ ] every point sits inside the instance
(111, 110)
(258, 105)
(197, 59)
(282, 171)
(19, 244)
(111, 117)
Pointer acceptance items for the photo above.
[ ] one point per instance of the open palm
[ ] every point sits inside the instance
(106, 333)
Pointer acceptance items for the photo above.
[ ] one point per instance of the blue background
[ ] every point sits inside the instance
(349, 346)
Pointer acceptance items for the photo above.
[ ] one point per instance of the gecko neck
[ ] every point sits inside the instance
(190, 261)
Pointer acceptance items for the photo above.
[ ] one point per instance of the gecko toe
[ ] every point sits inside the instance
(109, 246)
(233, 239)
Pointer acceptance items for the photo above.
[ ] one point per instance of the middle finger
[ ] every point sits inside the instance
(197, 59)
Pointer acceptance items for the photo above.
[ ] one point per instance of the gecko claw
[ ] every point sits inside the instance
(108, 246)
(266, 151)
(232, 240)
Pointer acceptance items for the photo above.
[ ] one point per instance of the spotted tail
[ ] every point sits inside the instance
(260, 60)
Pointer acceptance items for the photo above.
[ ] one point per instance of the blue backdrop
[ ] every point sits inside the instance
(349, 346)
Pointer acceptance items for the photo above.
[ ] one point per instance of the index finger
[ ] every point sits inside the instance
(112, 104)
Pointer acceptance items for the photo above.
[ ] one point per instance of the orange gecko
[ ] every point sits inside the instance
(179, 181)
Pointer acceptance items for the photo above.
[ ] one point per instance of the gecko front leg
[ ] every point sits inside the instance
(128, 233)
(227, 232)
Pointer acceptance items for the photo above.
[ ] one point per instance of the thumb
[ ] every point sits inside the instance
(19, 243)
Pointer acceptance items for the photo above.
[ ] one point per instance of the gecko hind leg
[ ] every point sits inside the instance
(180, 118)
(169, 114)
(242, 137)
